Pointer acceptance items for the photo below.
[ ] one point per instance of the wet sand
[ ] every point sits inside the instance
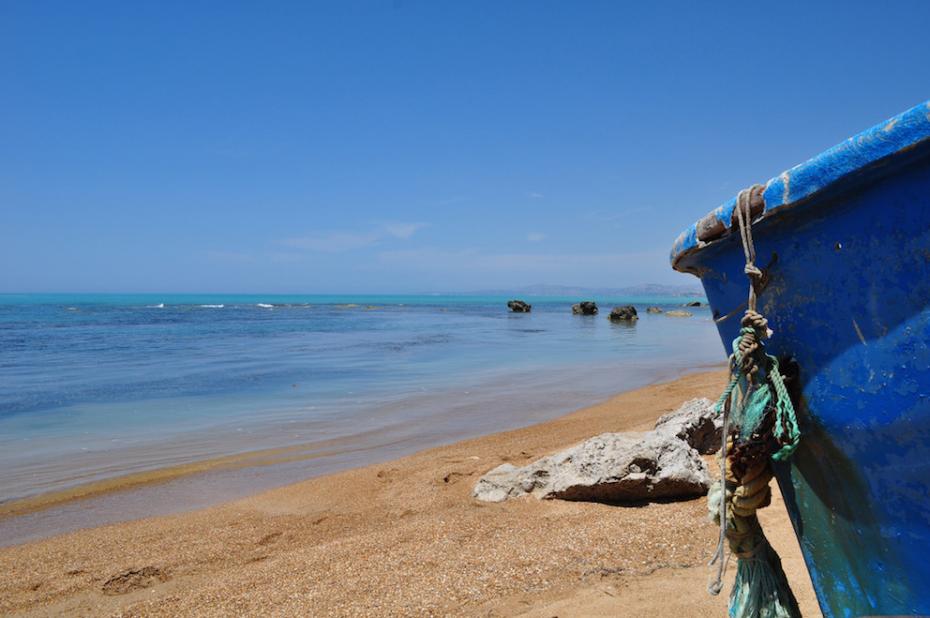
(405, 538)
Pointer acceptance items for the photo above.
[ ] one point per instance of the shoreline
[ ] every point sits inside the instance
(134, 480)
(339, 447)
(405, 537)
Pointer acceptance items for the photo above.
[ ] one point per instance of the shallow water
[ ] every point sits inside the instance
(97, 386)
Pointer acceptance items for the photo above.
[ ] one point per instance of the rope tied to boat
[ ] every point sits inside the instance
(759, 426)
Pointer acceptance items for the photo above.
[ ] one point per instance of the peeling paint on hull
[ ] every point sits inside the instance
(849, 300)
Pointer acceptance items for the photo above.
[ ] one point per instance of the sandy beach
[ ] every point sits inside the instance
(406, 538)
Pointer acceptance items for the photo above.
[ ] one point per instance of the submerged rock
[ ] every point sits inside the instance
(518, 306)
(678, 313)
(653, 310)
(585, 307)
(625, 313)
(611, 468)
(696, 423)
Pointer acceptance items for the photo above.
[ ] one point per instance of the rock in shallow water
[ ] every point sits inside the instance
(611, 467)
(585, 307)
(696, 423)
(519, 306)
(626, 313)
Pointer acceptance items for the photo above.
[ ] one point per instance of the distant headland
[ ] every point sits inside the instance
(645, 289)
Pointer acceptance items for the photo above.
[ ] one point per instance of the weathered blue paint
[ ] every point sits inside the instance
(846, 237)
(792, 187)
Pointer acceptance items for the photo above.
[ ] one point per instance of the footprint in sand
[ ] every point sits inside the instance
(134, 579)
(269, 538)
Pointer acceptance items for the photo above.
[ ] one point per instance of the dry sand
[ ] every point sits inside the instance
(406, 538)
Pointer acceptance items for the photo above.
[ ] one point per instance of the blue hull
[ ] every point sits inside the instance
(846, 239)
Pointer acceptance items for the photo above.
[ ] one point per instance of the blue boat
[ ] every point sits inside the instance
(843, 241)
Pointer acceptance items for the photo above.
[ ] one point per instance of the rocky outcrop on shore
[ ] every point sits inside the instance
(626, 313)
(585, 307)
(610, 468)
(695, 422)
(663, 463)
(519, 306)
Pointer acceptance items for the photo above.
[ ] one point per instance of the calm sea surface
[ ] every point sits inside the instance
(94, 386)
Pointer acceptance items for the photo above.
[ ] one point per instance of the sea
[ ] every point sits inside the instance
(98, 386)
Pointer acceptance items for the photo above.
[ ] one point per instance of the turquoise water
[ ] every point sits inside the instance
(93, 386)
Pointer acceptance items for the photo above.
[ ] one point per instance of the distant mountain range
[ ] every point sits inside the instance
(646, 289)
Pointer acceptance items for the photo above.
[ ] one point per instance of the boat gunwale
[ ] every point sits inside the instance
(799, 184)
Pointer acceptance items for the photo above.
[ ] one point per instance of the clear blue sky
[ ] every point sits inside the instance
(412, 146)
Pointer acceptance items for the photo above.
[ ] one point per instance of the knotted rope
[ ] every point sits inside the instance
(759, 425)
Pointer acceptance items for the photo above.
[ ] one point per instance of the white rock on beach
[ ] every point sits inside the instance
(696, 423)
(611, 467)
